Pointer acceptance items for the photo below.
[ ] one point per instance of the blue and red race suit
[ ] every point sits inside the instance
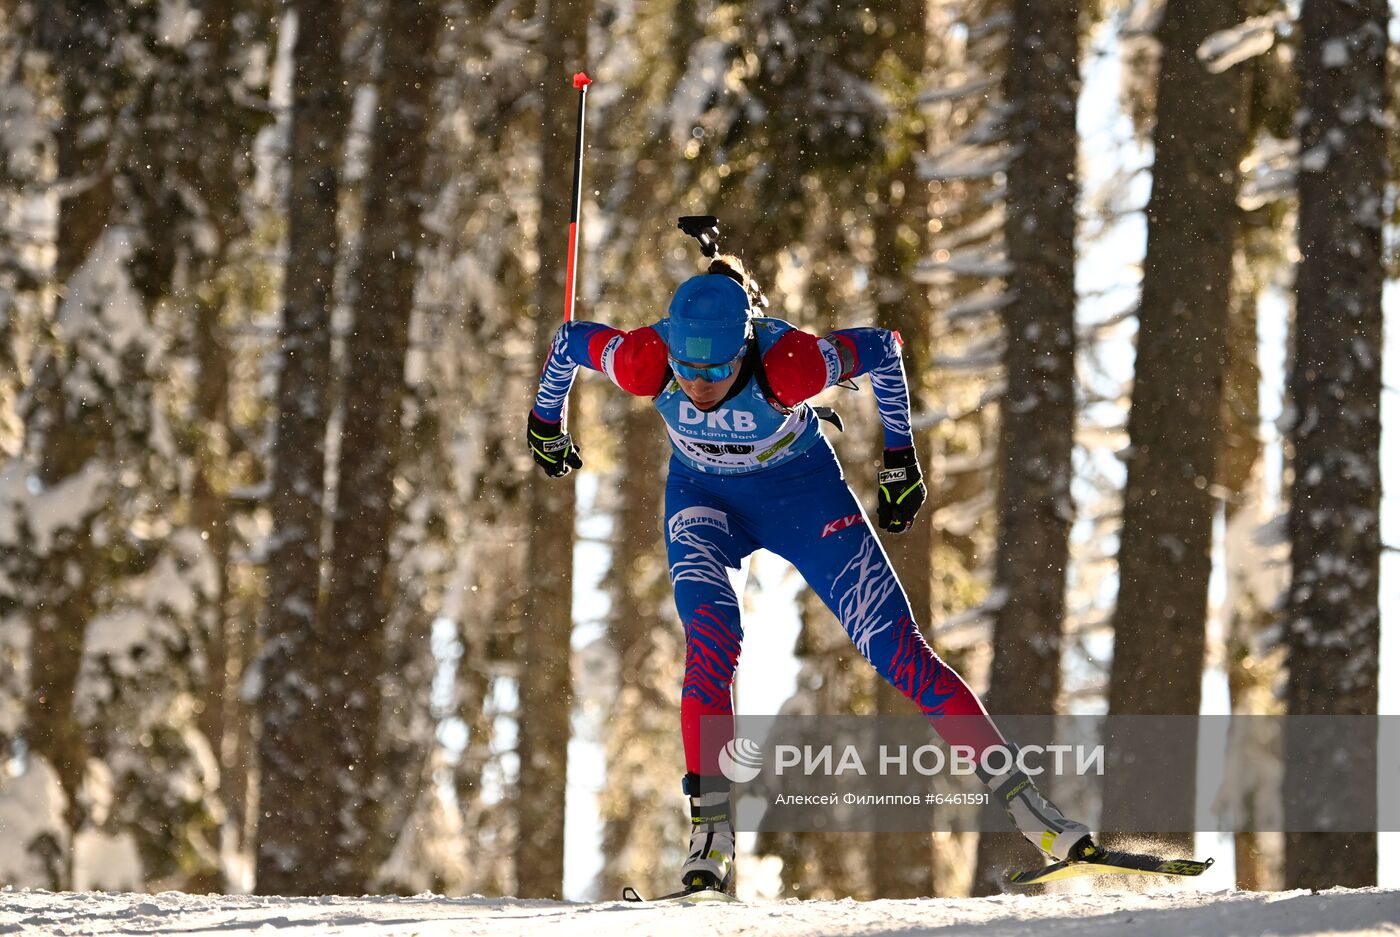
(755, 471)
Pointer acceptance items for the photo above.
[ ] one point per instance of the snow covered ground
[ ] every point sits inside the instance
(1105, 914)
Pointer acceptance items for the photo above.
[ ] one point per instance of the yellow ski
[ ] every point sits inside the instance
(1111, 863)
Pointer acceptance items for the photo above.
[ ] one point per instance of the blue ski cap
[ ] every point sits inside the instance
(709, 320)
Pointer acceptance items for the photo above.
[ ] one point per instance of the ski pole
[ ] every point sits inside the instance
(581, 83)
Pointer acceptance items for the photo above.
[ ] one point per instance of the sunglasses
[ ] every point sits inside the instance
(713, 373)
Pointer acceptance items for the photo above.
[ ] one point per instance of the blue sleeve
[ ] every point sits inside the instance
(572, 346)
(877, 352)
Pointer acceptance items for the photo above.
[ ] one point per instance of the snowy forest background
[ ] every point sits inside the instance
(283, 604)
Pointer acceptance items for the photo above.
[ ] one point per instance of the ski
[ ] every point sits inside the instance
(685, 896)
(1109, 862)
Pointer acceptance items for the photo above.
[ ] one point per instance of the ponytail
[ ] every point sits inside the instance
(731, 266)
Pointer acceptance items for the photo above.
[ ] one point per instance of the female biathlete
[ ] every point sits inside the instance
(752, 469)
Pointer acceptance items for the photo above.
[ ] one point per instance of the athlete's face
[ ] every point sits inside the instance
(705, 393)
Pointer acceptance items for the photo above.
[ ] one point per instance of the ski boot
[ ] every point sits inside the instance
(1037, 819)
(710, 864)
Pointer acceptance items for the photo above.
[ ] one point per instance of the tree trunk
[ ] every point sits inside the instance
(359, 586)
(1034, 507)
(221, 176)
(66, 434)
(1333, 621)
(1252, 764)
(903, 864)
(210, 515)
(78, 37)
(969, 43)
(1174, 424)
(546, 683)
(291, 857)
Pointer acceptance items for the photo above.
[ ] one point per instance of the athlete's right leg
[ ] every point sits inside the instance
(704, 544)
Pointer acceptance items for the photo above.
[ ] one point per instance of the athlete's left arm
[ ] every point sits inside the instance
(800, 365)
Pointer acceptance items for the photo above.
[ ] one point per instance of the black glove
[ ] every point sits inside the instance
(553, 449)
(902, 490)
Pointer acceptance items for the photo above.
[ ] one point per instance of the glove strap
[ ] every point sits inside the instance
(907, 457)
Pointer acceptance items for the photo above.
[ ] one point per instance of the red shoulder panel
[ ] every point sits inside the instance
(795, 368)
(639, 363)
(597, 341)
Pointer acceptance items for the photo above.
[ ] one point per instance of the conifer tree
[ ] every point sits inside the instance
(1037, 411)
(546, 680)
(1174, 422)
(360, 589)
(292, 854)
(1332, 617)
